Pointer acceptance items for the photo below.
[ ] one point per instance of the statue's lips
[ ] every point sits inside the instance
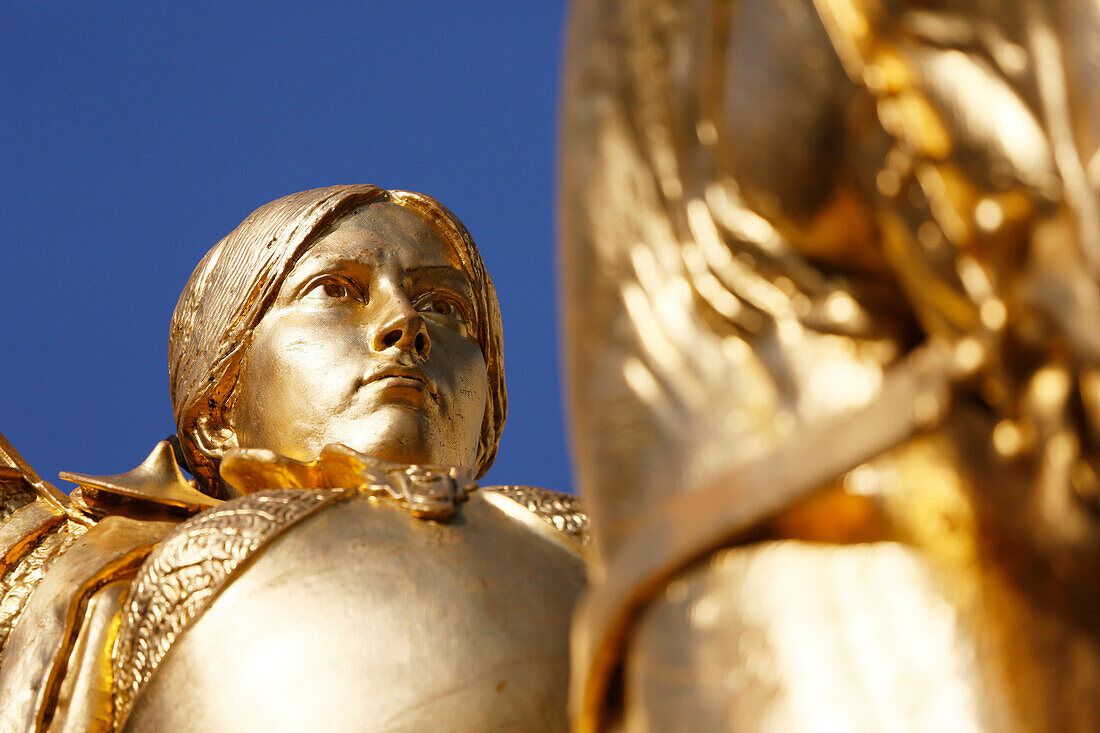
(402, 378)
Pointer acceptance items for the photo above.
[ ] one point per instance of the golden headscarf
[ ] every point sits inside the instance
(237, 281)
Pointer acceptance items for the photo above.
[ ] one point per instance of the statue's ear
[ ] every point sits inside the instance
(203, 444)
(213, 436)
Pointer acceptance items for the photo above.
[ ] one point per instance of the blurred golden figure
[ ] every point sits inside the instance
(833, 338)
(338, 386)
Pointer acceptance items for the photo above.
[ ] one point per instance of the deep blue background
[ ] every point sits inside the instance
(135, 135)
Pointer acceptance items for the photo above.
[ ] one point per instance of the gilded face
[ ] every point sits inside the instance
(370, 343)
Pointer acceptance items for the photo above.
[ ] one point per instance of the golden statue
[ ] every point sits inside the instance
(833, 341)
(338, 386)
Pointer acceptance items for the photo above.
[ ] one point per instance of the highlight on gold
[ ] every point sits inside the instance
(837, 423)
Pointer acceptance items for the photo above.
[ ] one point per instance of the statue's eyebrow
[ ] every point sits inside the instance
(442, 272)
(425, 270)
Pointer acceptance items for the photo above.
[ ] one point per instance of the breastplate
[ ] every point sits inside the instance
(357, 616)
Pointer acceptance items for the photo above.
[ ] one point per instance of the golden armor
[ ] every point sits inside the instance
(338, 387)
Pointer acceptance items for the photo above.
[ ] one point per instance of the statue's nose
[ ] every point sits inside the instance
(406, 330)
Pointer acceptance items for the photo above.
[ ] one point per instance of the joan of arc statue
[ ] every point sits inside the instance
(338, 387)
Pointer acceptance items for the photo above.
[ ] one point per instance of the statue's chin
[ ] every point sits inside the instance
(392, 432)
(398, 434)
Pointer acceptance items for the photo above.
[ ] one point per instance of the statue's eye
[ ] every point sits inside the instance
(441, 306)
(336, 289)
(448, 310)
(331, 287)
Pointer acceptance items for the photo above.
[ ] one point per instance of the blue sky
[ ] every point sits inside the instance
(134, 135)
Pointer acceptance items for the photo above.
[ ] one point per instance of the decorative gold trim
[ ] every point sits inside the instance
(15, 492)
(20, 530)
(187, 571)
(428, 492)
(21, 578)
(563, 512)
(38, 647)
